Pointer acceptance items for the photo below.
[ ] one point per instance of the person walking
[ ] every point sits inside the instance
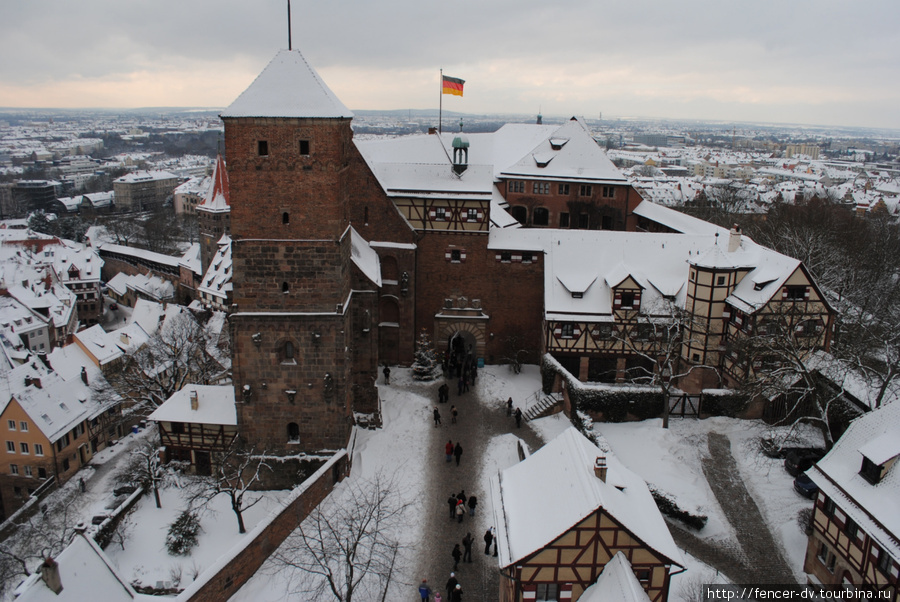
(444, 393)
(456, 596)
(473, 501)
(387, 374)
(457, 554)
(457, 451)
(461, 496)
(459, 386)
(467, 547)
(437, 417)
(424, 590)
(448, 450)
(494, 535)
(460, 512)
(488, 540)
(509, 407)
(466, 383)
(452, 501)
(451, 585)
(453, 414)
(518, 418)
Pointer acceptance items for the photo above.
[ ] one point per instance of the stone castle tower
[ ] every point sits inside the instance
(301, 363)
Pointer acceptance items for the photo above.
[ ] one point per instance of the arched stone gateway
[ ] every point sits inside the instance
(451, 333)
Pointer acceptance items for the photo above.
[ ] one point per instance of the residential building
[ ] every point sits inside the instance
(553, 541)
(855, 537)
(144, 190)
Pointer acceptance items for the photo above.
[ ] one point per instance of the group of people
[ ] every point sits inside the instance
(457, 505)
(436, 414)
(517, 413)
(451, 450)
(454, 590)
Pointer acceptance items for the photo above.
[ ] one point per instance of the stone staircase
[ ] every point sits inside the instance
(543, 406)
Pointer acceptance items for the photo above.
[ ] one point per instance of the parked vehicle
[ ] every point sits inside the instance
(124, 490)
(801, 460)
(805, 486)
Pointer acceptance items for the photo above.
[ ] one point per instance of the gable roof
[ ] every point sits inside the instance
(215, 405)
(875, 508)
(288, 87)
(528, 518)
(617, 583)
(218, 196)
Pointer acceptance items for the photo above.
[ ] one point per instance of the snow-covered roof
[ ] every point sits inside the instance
(875, 508)
(99, 344)
(215, 405)
(141, 254)
(569, 153)
(218, 195)
(152, 286)
(676, 220)
(191, 258)
(365, 257)
(145, 176)
(617, 583)
(217, 280)
(85, 571)
(288, 87)
(544, 496)
(148, 315)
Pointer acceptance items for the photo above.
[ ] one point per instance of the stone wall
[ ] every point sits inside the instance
(223, 579)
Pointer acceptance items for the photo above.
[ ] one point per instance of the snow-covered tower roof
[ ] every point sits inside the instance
(218, 196)
(288, 87)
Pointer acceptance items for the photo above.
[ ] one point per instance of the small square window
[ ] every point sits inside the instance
(568, 331)
(14, 469)
(24, 447)
(304, 147)
(884, 562)
(28, 472)
(23, 426)
(720, 281)
(38, 449)
(262, 147)
(11, 425)
(563, 189)
(455, 255)
(440, 214)
(585, 190)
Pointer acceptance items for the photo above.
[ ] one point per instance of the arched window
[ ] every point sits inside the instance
(541, 216)
(287, 353)
(285, 288)
(285, 218)
(293, 432)
(520, 214)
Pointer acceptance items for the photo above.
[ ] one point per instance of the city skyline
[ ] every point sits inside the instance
(823, 63)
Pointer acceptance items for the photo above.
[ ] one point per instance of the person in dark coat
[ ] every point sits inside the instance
(473, 501)
(437, 417)
(448, 450)
(461, 496)
(467, 547)
(452, 501)
(518, 417)
(457, 451)
(457, 554)
(488, 540)
(509, 406)
(424, 590)
(451, 584)
(387, 375)
(456, 594)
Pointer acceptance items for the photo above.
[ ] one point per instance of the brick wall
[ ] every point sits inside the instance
(225, 578)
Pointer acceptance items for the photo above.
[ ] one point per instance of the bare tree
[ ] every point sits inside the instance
(144, 467)
(349, 545)
(660, 339)
(42, 535)
(235, 474)
(175, 356)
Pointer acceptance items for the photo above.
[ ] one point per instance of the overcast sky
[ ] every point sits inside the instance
(829, 62)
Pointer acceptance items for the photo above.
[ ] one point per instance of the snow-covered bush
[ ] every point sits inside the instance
(182, 536)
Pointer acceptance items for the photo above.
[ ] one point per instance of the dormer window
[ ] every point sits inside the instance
(870, 471)
(577, 295)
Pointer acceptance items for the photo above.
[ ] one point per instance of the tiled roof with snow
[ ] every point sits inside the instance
(148, 315)
(191, 258)
(617, 583)
(875, 508)
(217, 197)
(675, 220)
(145, 176)
(528, 517)
(288, 87)
(140, 254)
(215, 405)
(217, 280)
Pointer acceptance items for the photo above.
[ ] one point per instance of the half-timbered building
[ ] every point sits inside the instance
(196, 423)
(553, 541)
(855, 538)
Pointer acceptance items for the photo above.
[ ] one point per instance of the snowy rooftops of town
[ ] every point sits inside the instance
(145, 176)
(529, 517)
(199, 404)
(288, 87)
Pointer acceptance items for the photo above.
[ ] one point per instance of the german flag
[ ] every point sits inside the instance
(452, 85)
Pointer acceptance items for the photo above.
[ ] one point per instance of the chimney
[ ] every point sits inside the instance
(36, 382)
(50, 575)
(125, 338)
(600, 468)
(27, 381)
(195, 403)
(84, 378)
(734, 238)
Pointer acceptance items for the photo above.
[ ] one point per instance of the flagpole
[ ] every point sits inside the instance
(441, 102)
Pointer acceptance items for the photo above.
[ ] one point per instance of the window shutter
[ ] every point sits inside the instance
(784, 293)
(617, 300)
